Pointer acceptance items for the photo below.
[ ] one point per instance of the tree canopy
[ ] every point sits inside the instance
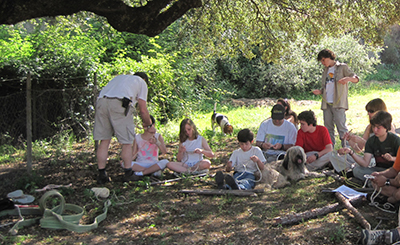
(227, 26)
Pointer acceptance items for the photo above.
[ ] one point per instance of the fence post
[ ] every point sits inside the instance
(29, 123)
(95, 93)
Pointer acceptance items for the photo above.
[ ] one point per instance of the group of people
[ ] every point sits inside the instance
(114, 115)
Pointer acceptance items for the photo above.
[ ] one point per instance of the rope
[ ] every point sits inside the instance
(386, 206)
(245, 168)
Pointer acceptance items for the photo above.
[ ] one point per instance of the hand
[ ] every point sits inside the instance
(388, 157)
(343, 81)
(266, 145)
(277, 146)
(254, 158)
(347, 136)
(379, 180)
(198, 151)
(317, 92)
(153, 140)
(182, 149)
(344, 150)
(311, 159)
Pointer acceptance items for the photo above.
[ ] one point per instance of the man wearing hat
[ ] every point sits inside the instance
(315, 141)
(276, 135)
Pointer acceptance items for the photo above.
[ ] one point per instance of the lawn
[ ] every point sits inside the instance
(160, 214)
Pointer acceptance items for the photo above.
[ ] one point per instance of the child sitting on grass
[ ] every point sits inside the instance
(145, 150)
(192, 147)
(246, 160)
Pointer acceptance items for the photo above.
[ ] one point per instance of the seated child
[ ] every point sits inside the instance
(145, 150)
(246, 161)
(192, 147)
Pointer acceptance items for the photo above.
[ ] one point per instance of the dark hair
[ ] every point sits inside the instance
(382, 118)
(326, 53)
(308, 117)
(245, 135)
(153, 120)
(143, 75)
(182, 135)
(375, 105)
(288, 111)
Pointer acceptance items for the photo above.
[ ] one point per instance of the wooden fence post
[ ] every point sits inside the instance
(29, 123)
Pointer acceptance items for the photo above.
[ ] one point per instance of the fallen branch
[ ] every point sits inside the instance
(299, 217)
(357, 215)
(224, 192)
(177, 179)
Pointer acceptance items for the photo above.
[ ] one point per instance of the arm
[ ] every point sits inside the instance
(135, 150)
(144, 113)
(353, 79)
(362, 161)
(181, 151)
(328, 148)
(381, 177)
(258, 162)
(229, 166)
(161, 145)
(206, 149)
(263, 145)
(317, 92)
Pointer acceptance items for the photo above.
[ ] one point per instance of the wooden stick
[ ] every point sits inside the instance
(173, 180)
(299, 217)
(357, 215)
(212, 192)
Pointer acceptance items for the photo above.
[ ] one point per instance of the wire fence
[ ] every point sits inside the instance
(53, 111)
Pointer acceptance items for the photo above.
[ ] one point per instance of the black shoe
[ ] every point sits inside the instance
(219, 179)
(131, 176)
(102, 179)
(231, 182)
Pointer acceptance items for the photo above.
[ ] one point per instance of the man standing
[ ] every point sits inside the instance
(276, 134)
(315, 141)
(334, 90)
(114, 116)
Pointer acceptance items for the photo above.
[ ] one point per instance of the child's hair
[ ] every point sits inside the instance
(308, 117)
(245, 135)
(375, 105)
(288, 111)
(182, 135)
(326, 53)
(143, 75)
(382, 118)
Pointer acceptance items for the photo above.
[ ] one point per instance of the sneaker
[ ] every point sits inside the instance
(369, 237)
(219, 179)
(390, 237)
(102, 179)
(231, 182)
(158, 173)
(131, 176)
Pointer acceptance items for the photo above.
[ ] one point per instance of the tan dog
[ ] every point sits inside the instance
(292, 168)
(222, 121)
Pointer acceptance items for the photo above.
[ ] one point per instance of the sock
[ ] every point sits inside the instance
(102, 172)
(127, 171)
(395, 235)
(139, 173)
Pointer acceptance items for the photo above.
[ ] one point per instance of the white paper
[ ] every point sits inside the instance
(348, 192)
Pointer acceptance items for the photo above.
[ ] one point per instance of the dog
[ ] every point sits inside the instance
(222, 121)
(291, 169)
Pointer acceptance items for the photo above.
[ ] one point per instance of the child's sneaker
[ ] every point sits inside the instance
(369, 237)
(219, 179)
(231, 182)
(392, 236)
(158, 173)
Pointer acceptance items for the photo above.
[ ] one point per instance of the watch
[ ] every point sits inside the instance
(316, 155)
(387, 183)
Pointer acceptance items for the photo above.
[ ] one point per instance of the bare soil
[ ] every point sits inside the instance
(144, 214)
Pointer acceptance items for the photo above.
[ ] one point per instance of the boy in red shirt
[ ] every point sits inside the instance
(315, 141)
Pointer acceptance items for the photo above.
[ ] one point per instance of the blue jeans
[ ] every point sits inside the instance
(245, 180)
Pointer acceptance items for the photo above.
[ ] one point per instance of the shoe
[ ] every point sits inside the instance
(369, 237)
(219, 179)
(391, 238)
(231, 182)
(158, 173)
(102, 179)
(131, 176)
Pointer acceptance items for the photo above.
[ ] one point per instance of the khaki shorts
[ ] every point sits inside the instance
(110, 119)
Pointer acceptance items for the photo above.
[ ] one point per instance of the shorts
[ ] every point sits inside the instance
(191, 164)
(162, 164)
(110, 119)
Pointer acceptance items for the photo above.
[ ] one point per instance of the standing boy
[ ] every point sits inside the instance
(334, 91)
(315, 141)
(246, 161)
